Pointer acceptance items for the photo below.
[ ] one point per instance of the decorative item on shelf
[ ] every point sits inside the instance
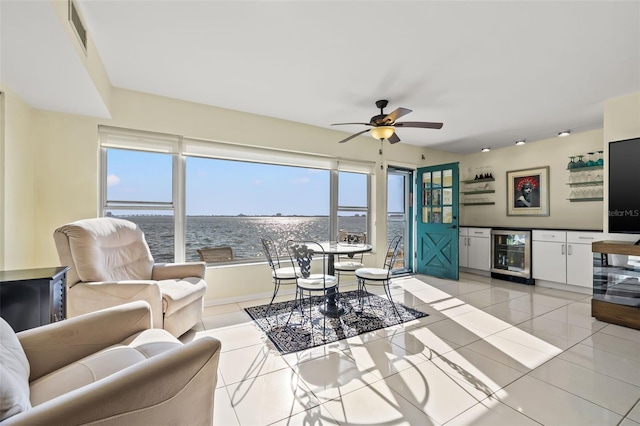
(600, 160)
(572, 164)
(586, 180)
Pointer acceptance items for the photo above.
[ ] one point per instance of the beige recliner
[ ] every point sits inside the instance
(111, 264)
(109, 368)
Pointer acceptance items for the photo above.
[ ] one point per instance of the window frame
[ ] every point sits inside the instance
(181, 148)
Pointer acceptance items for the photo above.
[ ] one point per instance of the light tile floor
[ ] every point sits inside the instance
(490, 353)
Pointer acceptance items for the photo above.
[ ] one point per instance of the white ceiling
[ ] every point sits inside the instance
(492, 71)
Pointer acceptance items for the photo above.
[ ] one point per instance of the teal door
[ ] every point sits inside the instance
(437, 221)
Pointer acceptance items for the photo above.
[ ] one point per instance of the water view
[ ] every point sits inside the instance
(241, 233)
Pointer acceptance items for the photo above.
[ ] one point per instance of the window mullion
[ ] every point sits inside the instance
(179, 201)
(333, 204)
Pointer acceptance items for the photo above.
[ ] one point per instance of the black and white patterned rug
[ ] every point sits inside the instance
(300, 334)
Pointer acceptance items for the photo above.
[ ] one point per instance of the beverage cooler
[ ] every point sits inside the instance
(511, 255)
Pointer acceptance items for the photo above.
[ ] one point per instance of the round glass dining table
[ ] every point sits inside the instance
(331, 248)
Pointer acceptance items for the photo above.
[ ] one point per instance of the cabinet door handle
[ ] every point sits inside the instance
(468, 241)
(585, 238)
(562, 249)
(570, 249)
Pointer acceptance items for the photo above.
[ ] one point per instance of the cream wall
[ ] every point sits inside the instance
(51, 171)
(62, 180)
(19, 195)
(552, 152)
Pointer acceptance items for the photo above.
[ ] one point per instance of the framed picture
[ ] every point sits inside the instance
(528, 192)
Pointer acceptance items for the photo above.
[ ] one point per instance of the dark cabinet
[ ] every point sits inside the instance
(33, 297)
(616, 283)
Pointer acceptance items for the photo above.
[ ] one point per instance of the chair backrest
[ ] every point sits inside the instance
(392, 253)
(350, 237)
(302, 253)
(215, 254)
(270, 252)
(103, 249)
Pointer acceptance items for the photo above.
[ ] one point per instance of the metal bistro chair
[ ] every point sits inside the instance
(301, 254)
(380, 276)
(280, 274)
(348, 264)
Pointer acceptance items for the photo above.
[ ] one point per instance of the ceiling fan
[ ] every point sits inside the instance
(383, 125)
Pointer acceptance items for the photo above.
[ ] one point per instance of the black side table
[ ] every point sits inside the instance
(33, 297)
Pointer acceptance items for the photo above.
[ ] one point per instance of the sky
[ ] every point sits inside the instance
(224, 187)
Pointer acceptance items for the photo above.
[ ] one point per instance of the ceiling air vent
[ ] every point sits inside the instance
(78, 26)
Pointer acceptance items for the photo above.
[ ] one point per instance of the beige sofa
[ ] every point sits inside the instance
(111, 264)
(109, 368)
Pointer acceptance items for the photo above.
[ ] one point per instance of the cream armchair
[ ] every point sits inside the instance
(109, 368)
(111, 264)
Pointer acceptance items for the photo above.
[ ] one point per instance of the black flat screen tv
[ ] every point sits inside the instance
(624, 186)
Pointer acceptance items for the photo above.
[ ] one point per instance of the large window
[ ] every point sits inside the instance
(191, 195)
(234, 203)
(353, 202)
(139, 188)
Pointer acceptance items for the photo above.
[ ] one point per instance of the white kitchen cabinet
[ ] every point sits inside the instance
(564, 256)
(463, 249)
(580, 257)
(549, 255)
(475, 248)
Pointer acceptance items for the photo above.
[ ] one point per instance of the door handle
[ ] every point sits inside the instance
(562, 249)
(454, 226)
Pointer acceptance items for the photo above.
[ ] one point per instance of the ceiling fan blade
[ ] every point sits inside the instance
(353, 136)
(394, 115)
(420, 124)
(394, 138)
(340, 124)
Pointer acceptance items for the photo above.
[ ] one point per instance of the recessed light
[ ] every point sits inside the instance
(522, 142)
(485, 149)
(564, 133)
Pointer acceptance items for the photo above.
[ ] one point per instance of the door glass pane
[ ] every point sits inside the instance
(437, 179)
(426, 214)
(447, 214)
(447, 196)
(436, 215)
(447, 177)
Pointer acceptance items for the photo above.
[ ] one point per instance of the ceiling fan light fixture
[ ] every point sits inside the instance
(382, 132)
(521, 142)
(485, 149)
(564, 133)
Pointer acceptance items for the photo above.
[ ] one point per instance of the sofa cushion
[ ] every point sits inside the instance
(14, 374)
(107, 249)
(137, 348)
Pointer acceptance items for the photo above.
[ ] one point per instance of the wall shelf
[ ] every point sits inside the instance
(591, 183)
(576, 200)
(485, 203)
(585, 169)
(478, 180)
(482, 191)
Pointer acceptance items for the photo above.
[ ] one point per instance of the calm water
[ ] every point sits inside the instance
(242, 233)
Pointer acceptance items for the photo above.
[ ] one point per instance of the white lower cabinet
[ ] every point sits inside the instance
(564, 256)
(475, 248)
